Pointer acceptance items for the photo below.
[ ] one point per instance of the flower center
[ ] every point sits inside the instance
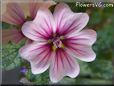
(56, 43)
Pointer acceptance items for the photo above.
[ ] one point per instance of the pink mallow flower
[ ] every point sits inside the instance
(58, 41)
(17, 14)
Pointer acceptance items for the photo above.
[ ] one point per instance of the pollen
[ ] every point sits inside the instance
(56, 42)
(62, 46)
(61, 37)
(49, 41)
(54, 47)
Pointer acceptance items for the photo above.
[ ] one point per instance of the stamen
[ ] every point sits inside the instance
(61, 37)
(54, 48)
(49, 41)
(57, 43)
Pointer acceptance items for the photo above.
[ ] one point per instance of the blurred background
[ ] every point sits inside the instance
(100, 71)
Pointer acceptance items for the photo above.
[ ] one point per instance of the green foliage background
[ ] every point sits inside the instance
(100, 71)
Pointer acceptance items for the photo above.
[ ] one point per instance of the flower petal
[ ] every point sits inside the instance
(33, 32)
(34, 6)
(62, 64)
(67, 21)
(13, 35)
(82, 52)
(14, 14)
(60, 10)
(30, 50)
(44, 20)
(38, 54)
(41, 27)
(85, 37)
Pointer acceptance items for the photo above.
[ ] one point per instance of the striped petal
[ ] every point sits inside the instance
(41, 28)
(13, 35)
(67, 21)
(62, 64)
(82, 52)
(33, 32)
(44, 19)
(38, 54)
(14, 14)
(85, 37)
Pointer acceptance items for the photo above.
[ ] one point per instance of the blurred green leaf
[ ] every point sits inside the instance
(6, 25)
(84, 81)
(95, 18)
(103, 46)
(101, 69)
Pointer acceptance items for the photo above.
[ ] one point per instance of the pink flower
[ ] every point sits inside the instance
(15, 15)
(58, 40)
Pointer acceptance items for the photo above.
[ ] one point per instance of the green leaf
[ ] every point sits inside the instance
(39, 79)
(10, 57)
